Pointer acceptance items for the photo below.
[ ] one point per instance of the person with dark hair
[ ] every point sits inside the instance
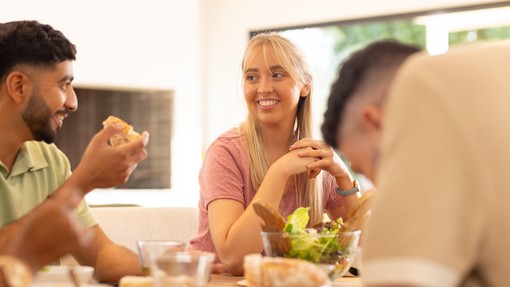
(353, 119)
(36, 95)
(441, 216)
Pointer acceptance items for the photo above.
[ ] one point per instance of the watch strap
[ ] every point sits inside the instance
(349, 191)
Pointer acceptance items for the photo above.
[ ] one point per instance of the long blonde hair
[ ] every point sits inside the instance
(292, 59)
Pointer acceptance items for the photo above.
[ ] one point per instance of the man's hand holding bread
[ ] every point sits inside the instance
(111, 156)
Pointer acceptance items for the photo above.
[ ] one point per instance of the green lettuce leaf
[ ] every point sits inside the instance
(306, 245)
(297, 221)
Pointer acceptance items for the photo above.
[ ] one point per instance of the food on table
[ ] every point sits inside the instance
(126, 135)
(275, 272)
(293, 239)
(332, 245)
(359, 213)
(136, 281)
(273, 222)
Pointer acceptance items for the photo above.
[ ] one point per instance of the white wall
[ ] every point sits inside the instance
(226, 26)
(150, 43)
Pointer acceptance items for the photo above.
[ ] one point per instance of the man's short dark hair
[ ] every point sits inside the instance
(381, 55)
(32, 43)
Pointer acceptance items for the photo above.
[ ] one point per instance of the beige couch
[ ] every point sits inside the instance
(126, 225)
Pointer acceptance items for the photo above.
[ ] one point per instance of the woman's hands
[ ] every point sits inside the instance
(293, 163)
(324, 158)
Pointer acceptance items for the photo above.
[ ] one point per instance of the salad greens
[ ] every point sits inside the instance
(319, 245)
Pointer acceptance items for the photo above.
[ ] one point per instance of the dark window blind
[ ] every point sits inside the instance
(149, 110)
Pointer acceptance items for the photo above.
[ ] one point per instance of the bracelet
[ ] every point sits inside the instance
(349, 191)
(16, 273)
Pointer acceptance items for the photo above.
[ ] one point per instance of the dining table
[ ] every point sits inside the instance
(226, 280)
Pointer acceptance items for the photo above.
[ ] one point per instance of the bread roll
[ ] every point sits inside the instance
(276, 271)
(136, 281)
(126, 135)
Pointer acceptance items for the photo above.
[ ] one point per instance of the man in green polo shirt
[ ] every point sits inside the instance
(36, 96)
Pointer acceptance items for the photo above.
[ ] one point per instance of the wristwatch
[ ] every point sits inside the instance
(16, 274)
(349, 191)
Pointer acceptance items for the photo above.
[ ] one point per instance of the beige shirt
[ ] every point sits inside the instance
(442, 215)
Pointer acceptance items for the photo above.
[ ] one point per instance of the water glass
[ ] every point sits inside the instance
(151, 249)
(182, 269)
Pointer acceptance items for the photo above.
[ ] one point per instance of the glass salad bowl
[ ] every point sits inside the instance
(333, 251)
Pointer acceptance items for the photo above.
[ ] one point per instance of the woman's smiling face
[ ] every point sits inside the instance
(271, 94)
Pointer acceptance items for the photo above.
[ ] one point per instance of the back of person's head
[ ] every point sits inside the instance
(34, 44)
(375, 59)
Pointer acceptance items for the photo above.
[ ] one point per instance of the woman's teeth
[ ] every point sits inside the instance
(268, 103)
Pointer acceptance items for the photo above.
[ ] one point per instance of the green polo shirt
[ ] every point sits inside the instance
(39, 169)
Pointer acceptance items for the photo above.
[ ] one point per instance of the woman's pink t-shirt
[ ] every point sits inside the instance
(224, 175)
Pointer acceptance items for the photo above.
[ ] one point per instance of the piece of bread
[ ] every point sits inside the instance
(136, 281)
(277, 271)
(273, 220)
(126, 135)
(360, 212)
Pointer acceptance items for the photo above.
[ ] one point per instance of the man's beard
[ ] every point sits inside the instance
(37, 115)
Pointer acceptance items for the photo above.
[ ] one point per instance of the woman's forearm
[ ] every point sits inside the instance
(243, 237)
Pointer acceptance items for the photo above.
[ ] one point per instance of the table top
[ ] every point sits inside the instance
(224, 280)
(228, 280)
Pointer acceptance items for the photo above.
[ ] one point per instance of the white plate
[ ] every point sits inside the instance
(62, 274)
(243, 283)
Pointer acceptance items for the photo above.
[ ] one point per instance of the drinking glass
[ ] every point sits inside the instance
(151, 249)
(183, 269)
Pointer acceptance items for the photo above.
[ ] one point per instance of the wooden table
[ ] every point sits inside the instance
(226, 280)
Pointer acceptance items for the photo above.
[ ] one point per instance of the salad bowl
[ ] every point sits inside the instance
(331, 244)
(333, 251)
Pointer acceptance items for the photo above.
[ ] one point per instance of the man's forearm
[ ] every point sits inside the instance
(74, 184)
(116, 261)
(111, 261)
(8, 234)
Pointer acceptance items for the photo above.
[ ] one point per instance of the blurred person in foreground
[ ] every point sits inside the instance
(441, 216)
(35, 244)
(353, 120)
(36, 96)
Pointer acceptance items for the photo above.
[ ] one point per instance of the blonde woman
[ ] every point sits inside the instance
(269, 156)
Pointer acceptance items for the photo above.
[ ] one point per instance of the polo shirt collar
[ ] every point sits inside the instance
(29, 158)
